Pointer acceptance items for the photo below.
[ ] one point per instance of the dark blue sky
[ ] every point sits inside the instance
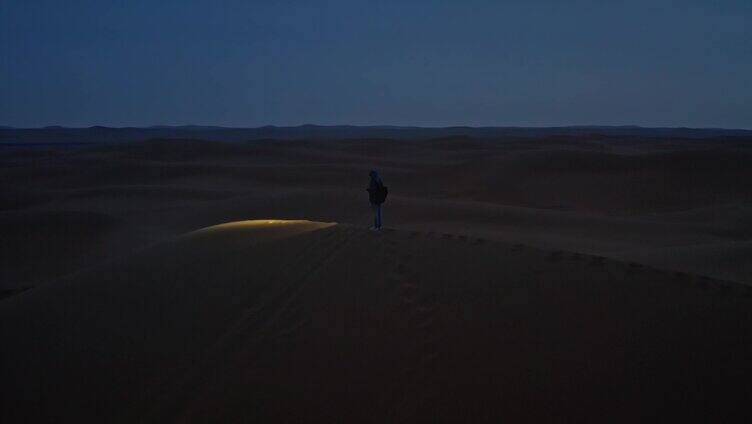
(430, 63)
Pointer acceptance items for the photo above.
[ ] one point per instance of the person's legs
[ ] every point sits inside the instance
(375, 209)
(378, 217)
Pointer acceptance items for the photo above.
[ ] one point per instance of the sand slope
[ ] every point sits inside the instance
(303, 321)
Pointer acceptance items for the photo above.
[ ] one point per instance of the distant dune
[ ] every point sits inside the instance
(102, 134)
(596, 278)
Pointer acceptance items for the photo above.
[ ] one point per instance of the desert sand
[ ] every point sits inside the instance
(528, 280)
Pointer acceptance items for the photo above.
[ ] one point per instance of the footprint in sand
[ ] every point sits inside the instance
(423, 309)
(409, 287)
(425, 323)
(633, 267)
(430, 357)
(708, 284)
(394, 282)
(723, 288)
(407, 292)
(555, 256)
(393, 276)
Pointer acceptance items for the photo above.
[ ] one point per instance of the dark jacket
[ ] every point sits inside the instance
(375, 189)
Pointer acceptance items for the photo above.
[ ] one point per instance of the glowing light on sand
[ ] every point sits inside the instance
(255, 223)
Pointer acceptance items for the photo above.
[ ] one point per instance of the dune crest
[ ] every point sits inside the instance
(248, 232)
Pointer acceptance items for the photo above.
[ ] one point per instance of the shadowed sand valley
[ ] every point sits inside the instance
(521, 280)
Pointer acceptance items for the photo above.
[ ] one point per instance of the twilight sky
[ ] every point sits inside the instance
(402, 62)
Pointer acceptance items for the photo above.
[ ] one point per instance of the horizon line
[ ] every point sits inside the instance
(384, 126)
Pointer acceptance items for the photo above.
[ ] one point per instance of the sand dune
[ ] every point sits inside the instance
(304, 321)
(64, 241)
(520, 280)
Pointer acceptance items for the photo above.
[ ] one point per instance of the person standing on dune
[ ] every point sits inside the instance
(376, 195)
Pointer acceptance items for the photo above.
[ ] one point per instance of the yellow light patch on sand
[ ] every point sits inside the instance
(252, 223)
(260, 229)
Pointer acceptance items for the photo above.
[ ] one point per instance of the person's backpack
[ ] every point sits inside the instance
(381, 192)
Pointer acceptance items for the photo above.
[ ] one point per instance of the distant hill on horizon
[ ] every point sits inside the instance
(103, 134)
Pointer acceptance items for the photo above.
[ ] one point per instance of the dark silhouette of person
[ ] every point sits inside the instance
(376, 195)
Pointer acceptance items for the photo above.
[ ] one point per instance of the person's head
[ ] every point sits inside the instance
(373, 174)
